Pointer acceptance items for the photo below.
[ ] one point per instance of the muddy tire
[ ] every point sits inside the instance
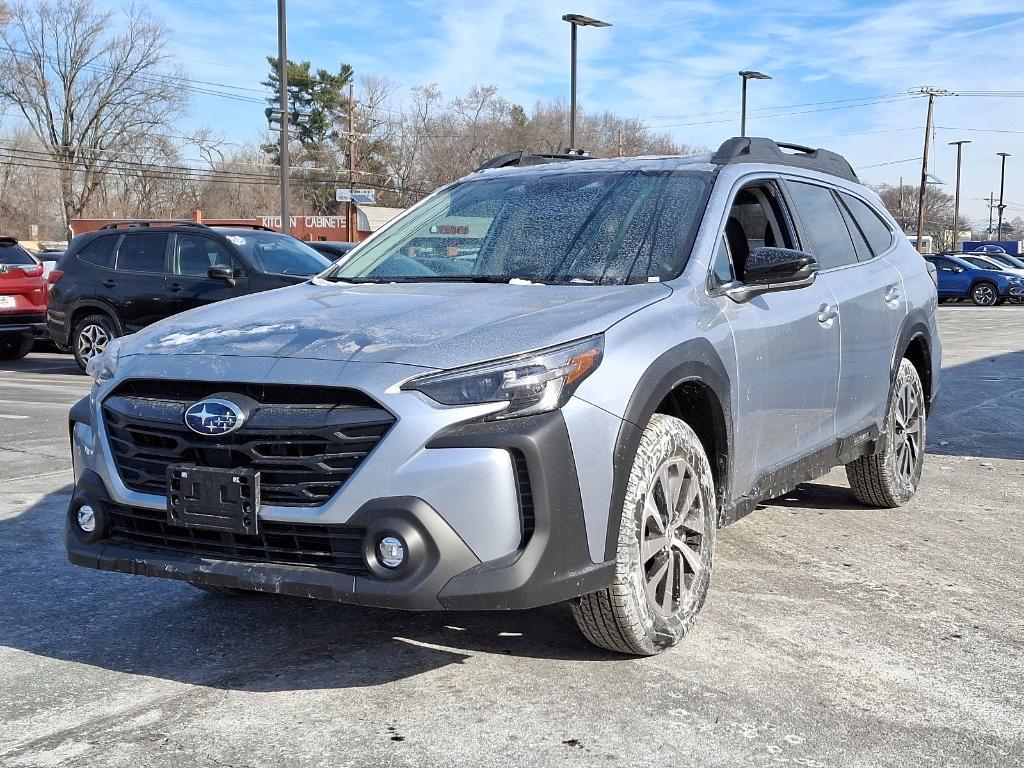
(890, 478)
(665, 548)
(90, 337)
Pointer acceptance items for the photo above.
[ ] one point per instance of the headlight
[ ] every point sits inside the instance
(103, 366)
(535, 382)
(1016, 280)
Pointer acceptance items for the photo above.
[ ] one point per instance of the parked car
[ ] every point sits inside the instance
(127, 275)
(22, 300)
(961, 279)
(1005, 259)
(332, 249)
(642, 351)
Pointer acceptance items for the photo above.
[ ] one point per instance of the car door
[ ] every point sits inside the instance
(787, 343)
(953, 279)
(190, 284)
(138, 287)
(870, 296)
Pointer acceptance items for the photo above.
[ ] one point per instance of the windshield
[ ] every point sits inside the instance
(1009, 261)
(572, 227)
(279, 254)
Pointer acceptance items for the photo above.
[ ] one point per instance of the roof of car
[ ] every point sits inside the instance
(733, 151)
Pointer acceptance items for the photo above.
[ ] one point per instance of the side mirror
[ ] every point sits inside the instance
(774, 269)
(219, 272)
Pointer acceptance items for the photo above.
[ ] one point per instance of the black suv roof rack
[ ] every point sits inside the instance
(753, 149)
(223, 225)
(528, 158)
(129, 223)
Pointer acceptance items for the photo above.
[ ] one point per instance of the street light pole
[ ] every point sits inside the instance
(748, 74)
(576, 20)
(282, 69)
(1002, 186)
(956, 204)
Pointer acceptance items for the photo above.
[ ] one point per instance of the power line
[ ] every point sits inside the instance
(777, 106)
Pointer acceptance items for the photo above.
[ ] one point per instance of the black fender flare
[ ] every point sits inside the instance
(102, 306)
(915, 326)
(694, 360)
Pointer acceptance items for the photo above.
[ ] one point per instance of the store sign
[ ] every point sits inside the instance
(308, 222)
(363, 196)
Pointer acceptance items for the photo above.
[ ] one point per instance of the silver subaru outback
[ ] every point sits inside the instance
(552, 380)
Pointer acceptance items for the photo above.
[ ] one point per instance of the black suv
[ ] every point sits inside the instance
(127, 275)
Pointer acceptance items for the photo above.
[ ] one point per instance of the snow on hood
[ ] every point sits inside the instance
(433, 325)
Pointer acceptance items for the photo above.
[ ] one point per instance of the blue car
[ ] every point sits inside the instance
(959, 279)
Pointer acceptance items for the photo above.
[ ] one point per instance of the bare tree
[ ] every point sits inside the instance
(88, 93)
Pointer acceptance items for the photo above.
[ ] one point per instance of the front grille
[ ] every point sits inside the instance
(305, 441)
(334, 547)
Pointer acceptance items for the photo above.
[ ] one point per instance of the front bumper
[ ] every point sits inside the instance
(551, 565)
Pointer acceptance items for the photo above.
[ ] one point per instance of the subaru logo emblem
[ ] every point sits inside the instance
(214, 416)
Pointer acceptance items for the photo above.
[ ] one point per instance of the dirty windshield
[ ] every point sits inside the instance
(555, 227)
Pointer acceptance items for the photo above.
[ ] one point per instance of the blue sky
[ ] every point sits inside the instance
(671, 62)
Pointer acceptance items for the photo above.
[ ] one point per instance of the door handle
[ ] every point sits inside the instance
(175, 287)
(827, 313)
(108, 283)
(892, 294)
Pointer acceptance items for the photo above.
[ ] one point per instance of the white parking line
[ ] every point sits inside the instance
(11, 416)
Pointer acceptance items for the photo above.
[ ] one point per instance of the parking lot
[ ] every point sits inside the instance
(834, 634)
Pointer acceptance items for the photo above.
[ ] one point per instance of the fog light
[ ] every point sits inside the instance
(86, 518)
(391, 552)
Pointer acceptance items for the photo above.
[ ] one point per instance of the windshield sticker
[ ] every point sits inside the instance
(236, 239)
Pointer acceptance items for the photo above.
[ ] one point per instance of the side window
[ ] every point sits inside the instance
(100, 251)
(871, 224)
(142, 253)
(195, 254)
(860, 243)
(721, 269)
(822, 225)
(755, 220)
(944, 265)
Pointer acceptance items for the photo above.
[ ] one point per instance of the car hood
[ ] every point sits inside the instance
(432, 325)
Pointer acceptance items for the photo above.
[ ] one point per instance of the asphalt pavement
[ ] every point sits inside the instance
(834, 634)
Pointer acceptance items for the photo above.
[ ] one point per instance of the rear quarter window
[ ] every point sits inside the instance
(875, 229)
(99, 252)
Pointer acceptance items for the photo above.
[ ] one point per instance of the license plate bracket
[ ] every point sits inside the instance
(212, 499)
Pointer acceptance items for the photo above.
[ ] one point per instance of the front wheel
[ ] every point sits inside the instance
(665, 549)
(984, 294)
(890, 478)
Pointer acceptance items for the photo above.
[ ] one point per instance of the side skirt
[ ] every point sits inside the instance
(784, 478)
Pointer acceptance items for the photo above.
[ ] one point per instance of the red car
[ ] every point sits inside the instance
(23, 294)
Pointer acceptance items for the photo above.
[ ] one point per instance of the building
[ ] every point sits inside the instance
(333, 228)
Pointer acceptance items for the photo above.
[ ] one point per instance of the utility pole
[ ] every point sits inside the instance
(282, 69)
(620, 142)
(1002, 186)
(351, 221)
(931, 92)
(956, 204)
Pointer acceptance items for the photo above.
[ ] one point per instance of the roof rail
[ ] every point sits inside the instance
(150, 222)
(760, 150)
(527, 158)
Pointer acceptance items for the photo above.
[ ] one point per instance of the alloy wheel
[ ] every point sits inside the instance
(908, 432)
(672, 536)
(984, 295)
(92, 340)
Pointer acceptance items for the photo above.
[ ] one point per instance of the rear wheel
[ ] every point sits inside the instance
(90, 338)
(984, 294)
(890, 478)
(665, 547)
(15, 347)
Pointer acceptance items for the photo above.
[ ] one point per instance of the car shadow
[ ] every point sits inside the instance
(168, 629)
(48, 363)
